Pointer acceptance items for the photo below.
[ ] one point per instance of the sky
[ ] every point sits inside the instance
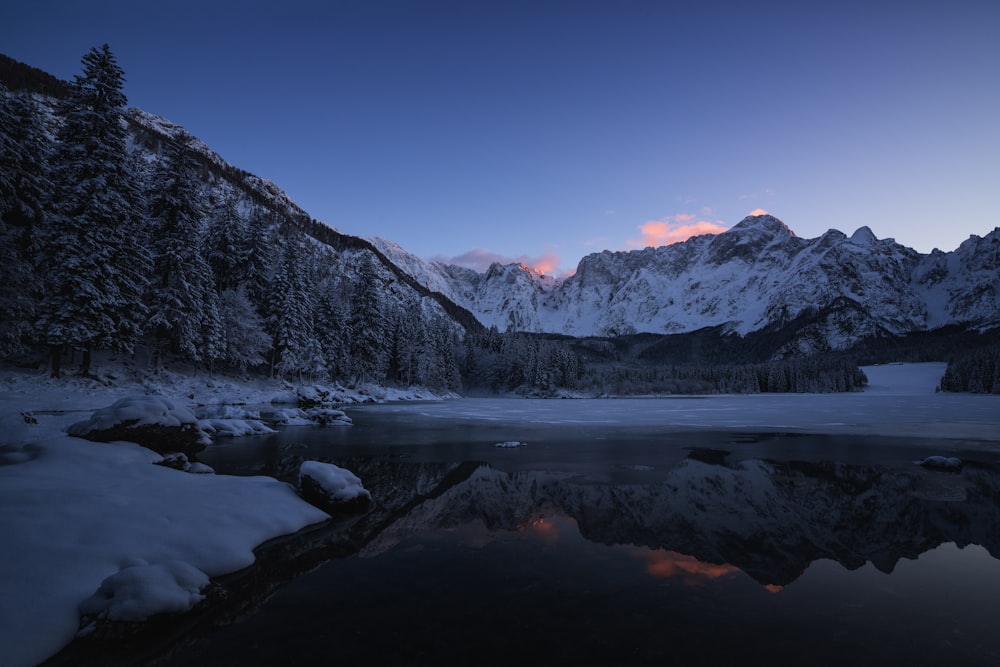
(540, 131)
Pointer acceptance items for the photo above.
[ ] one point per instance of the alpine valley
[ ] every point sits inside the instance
(311, 301)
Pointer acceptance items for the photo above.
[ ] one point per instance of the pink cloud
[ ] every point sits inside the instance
(480, 260)
(758, 211)
(674, 229)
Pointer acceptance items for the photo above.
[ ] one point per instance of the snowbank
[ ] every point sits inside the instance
(141, 590)
(75, 513)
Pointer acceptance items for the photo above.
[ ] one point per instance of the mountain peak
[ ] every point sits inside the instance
(863, 236)
(765, 222)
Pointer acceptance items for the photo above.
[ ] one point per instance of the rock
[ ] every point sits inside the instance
(332, 489)
(322, 416)
(156, 423)
(942, 463)
(179, 461)
(328, 416)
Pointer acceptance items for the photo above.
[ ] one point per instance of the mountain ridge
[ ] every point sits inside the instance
(745, 279)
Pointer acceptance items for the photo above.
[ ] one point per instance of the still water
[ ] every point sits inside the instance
(602, 541)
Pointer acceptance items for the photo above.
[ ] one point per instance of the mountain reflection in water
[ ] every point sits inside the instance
(701, 548)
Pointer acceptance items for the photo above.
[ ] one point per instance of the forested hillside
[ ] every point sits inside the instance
(121, 233)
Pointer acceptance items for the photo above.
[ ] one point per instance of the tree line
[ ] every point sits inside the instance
(976, 371)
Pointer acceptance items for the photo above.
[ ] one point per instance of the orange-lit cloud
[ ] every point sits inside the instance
(675, 229)
(547, 530)
(758, 211)
(688, 570)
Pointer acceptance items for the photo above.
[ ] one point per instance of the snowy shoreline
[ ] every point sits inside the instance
(77, 513)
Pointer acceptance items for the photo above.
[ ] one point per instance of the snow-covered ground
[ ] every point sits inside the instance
(86, 521)
(83, 521)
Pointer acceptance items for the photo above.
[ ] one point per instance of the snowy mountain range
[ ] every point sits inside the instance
(756, 275)
(832, 291)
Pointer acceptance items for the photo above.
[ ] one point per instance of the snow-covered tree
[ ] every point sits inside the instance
(183, 303)
(331, 326)
(24, 184)
(95, 261)
(260, 256)
(226, 243)
(438, 365)
(290, 321)
(366, 336)
(244, 340)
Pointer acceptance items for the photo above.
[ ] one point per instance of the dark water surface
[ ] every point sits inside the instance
(607, 543)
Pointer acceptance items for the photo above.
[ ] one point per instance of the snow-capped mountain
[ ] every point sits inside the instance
(756, 275)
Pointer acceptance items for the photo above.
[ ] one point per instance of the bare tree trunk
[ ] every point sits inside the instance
(85, 362)
(56, 360)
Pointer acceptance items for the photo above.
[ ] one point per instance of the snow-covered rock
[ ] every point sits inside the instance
(179, 461)
(161, 424)
(318, 415)
(223, 411)
(332, 488)
(291, 417)
(942, 463)
(234, 427)
(511, 443)
(141, 590)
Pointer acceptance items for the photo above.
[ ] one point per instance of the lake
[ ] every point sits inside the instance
(614, 534)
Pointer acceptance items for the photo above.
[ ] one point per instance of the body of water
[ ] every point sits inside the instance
(608, 538)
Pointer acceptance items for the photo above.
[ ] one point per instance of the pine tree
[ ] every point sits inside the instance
(24, 150)
(365, 325)
(291, 317)
(244, 340)
(259, 258)
(226, 244)
(183, 304)
(95, 261)
(331, 327)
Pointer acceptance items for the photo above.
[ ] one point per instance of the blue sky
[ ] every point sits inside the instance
(541, 131)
